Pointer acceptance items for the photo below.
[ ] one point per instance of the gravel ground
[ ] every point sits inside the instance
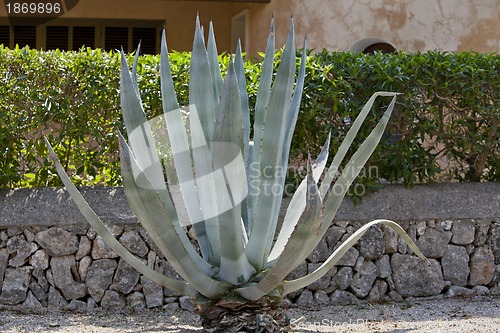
(477, 314)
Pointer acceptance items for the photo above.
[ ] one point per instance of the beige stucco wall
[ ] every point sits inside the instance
(453, 25)
(333, 24)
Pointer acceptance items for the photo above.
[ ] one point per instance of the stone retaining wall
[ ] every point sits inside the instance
(65, 265)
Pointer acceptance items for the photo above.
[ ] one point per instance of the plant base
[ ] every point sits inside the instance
(260, 316)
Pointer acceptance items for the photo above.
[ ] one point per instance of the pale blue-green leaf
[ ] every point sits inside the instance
(201, 88)
(154, 217)
(353, 167)
(261, 103)
(346, 143)
(293, 285)
(302, 241)
(240, 74)
(235, 267)
(138, 129)
(290, 127)
(179, 142)
(214, 64)
(298, 203)
(271, 154)
(96, 223)
(205, 184)
(134, 67)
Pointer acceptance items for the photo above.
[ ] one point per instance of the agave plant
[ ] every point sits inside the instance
(208, 161)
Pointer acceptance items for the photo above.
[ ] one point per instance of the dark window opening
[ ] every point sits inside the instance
(380, 47)
(5, 35)
(25, 36)
(147, 38)
(57, 38)
(116, 38)
(83, 36)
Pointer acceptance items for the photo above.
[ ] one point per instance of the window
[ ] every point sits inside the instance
(115, 38)
(69, 35)
(83, 37)
(371, 45)
(5, 35)
(380, 47)
(57, 38)
(148, 39)
(25, 36)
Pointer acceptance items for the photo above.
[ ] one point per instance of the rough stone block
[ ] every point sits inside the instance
(101, 250)
(384, 266)
(134, 243)
(414, 277)
(482, 266)
(113, 300)
(63, 279)
(455, 263)
(434, 243)
(57, 242)
(343, 277)
(15, 285)
(99, 277)
(463, 232)
(371, 245)
(343, 297)
(126, 277)
(152, 292)
(363, 280)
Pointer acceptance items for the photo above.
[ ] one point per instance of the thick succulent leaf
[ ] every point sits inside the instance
(354, 166)
(205, 185)
(240, 74)
(290, 127)
(138, 129)
(214, 64)
(293, 285)
(134, 67)
(96, 223)
(346, 143)
(261, 103)
(299, 246)
(179, 142)
(271, 154)
(228, 147)
(202, 121)
(155, 219)
(201, 88)
(297, 205)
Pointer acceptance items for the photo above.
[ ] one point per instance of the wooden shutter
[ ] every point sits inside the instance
(5, 35)
(148, 39)
(57, 38)
(25, 36)
(115, 38)
(83, 36)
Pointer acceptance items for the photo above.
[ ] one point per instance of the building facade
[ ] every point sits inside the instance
(357, 25)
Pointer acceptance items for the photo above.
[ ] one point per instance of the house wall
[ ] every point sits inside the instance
(453, 25)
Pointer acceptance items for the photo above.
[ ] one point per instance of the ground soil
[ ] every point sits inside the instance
(475, 314)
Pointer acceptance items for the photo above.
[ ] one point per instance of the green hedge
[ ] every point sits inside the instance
(445, 125)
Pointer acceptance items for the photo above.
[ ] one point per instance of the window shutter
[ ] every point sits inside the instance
(115, 38)
(5, 35)
(147, 37)
(25, 36)
(83, 36)
(57, 38)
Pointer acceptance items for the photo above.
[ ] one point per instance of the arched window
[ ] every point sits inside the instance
(372, 44)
